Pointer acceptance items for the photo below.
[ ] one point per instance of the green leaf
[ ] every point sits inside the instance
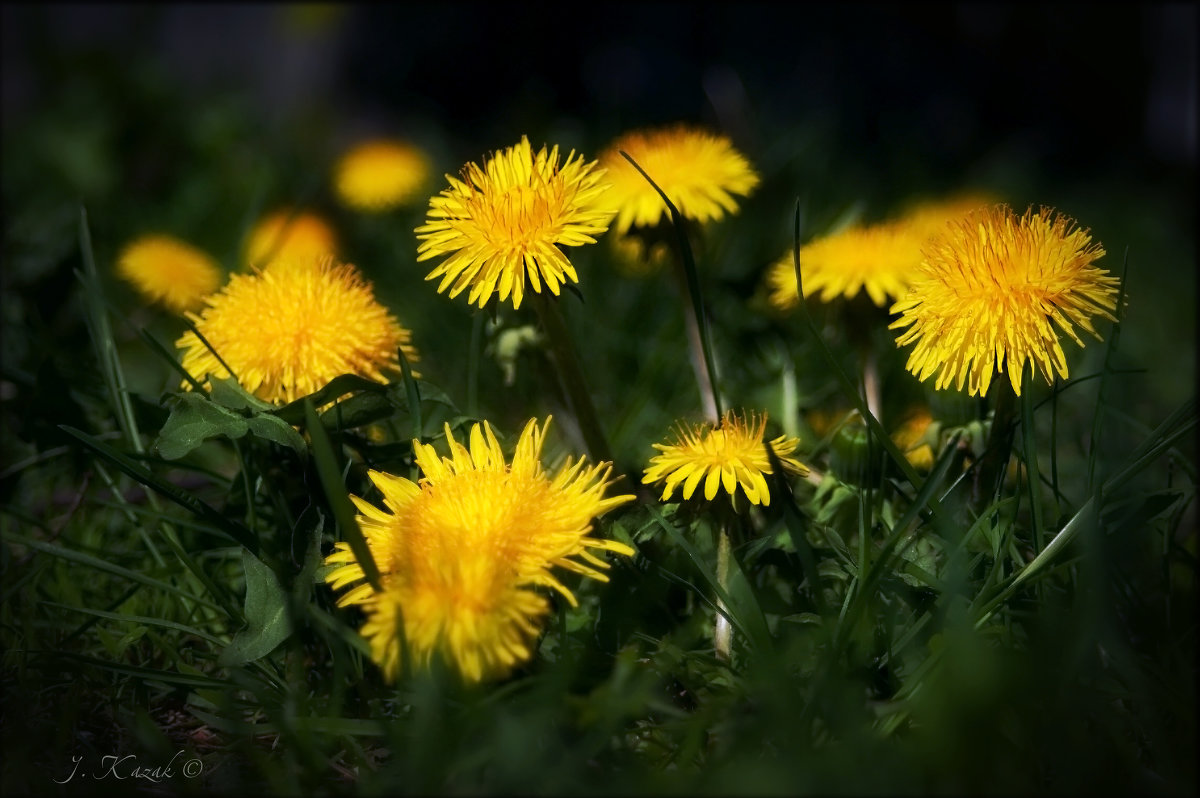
(194, 419)
(276, 430)
(266, 614)
(227, 392)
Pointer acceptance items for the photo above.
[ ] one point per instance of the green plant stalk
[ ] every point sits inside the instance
(706, 380)
(999, 444)
(722, 631)
(570, 375)
(692, 286)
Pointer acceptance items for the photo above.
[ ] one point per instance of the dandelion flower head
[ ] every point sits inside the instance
(288, 236)
(701, 172)
(878, 259)
(286, 331)
(381, 174)
(464, 553)
(168, 271)
(505, 221)
(992, 290)
(726, 455)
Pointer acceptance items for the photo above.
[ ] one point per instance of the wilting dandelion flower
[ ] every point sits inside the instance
(726, 455)
(506, 221)
(698, 170)
(381, 174)
(171, 272)
(287, 331)
(463, 553)
(989, 288)
(287, 236)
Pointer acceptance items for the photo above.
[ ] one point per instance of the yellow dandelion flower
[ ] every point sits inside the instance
(289, 237)
(462, 553)
(381, 174)
(506, 221)
(931, 216)
(700, 171)
(878, 258)
(286, 332)
(989, 288)
(168, 271)
(725, 456)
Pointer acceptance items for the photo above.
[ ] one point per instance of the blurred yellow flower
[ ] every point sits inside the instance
(726, 455)
(288, 236)
(878, 258)
(913, 439)
(699, 170)
(381, 174)
(462, 553)
(168, 271)
(635, 257)
(287, 331)
(988, 291)
(506, 221)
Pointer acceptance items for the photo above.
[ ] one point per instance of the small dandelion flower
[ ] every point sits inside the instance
(989, 289)
(168, 271)
(878, 258)
(700, 171)
(289, 237)
(287, 331)
(729, 455)
(506, 221)
(463, 553)
(381, 174)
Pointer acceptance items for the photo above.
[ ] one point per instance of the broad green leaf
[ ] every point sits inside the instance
(266, 614)
(228, 393)
(194, 419)
(276, 430)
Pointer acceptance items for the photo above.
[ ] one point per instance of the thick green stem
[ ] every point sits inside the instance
(570, 374)
(999, 445)
(722, 632)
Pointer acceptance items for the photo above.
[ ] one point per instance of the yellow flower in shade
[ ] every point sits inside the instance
(506, 221)
(381, 174)
(989, 288)
(700, 171)
(171, 272)
(912, 438)
(289, 237)
(287, 331)
(724, 456)
(636, 257)
(878, 258)
(463, 553)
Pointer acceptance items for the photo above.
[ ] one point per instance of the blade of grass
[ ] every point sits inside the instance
(103, 565)
(692, 286)
(335, 492)
(143, 619)
(184, 499)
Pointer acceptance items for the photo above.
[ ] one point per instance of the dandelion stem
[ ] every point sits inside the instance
(722, 631)
(705, 380)
(570, 374)
(999, 445)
